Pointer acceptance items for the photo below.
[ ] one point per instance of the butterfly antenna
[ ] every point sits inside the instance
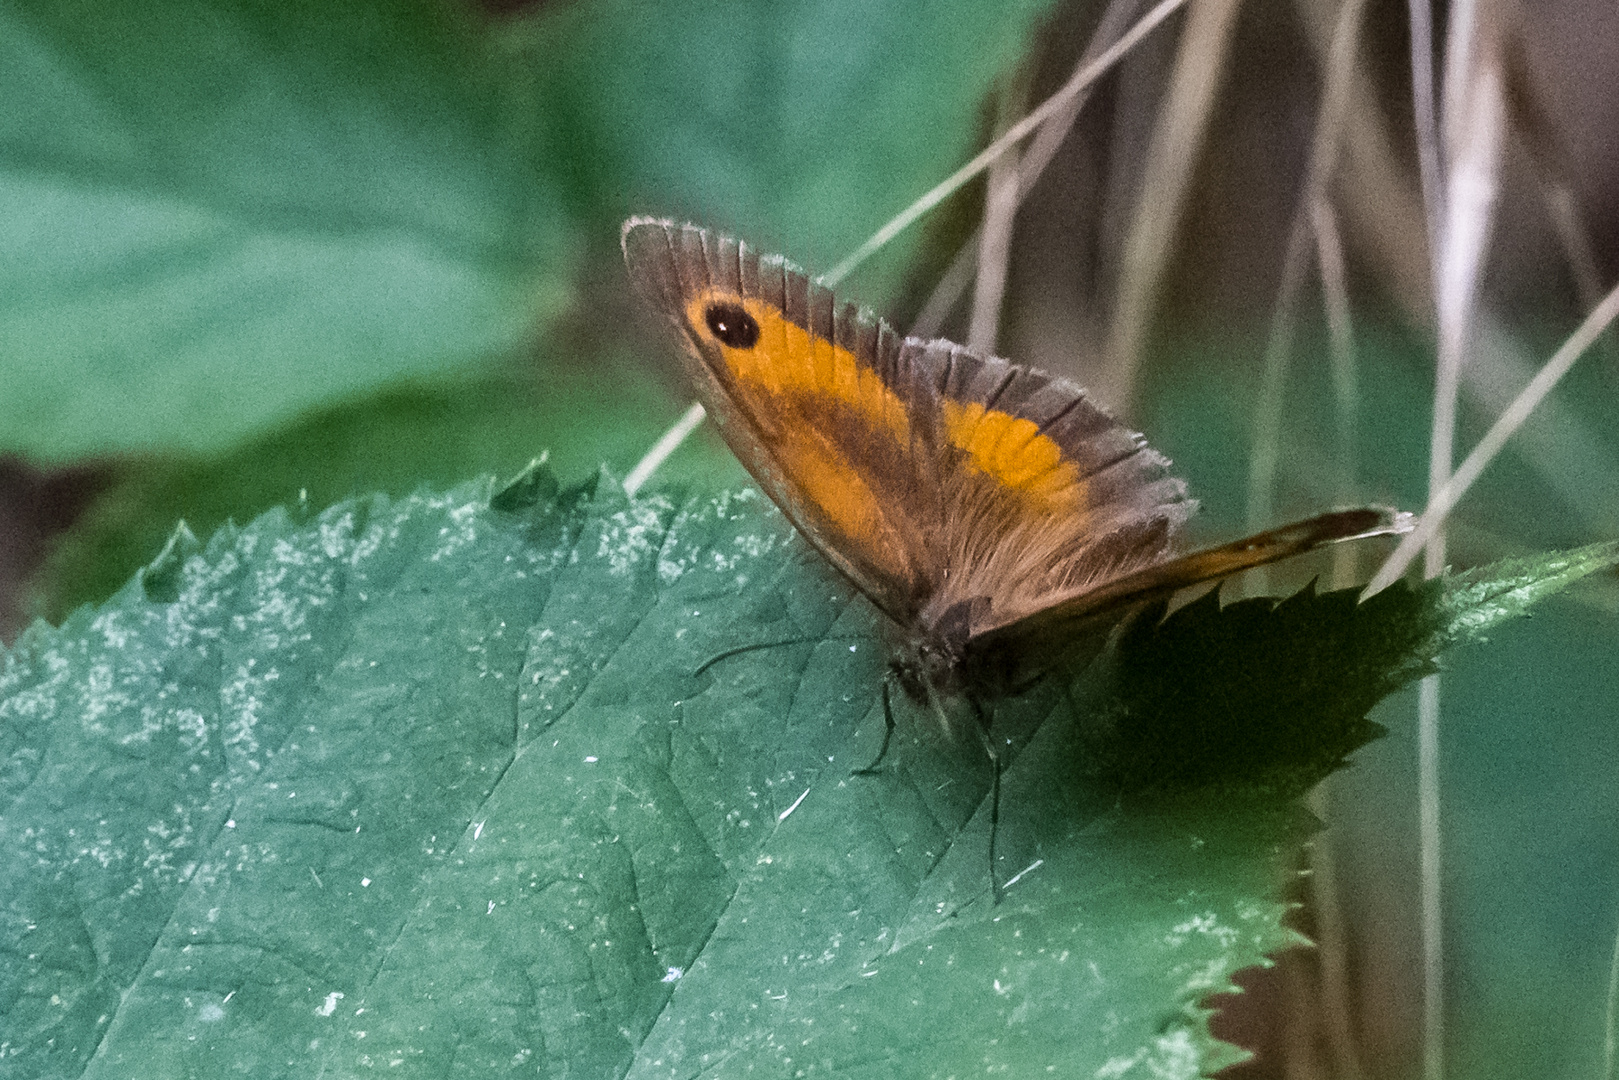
(755, 647)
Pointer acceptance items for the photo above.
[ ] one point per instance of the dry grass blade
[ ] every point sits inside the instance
(1568, 456)
(1425, 117)
(1610, 1033)
(1444, 500)
(1014, 135)
(1177, 139)
(1313, 210)
(1471, 128)
(953, 282)
(667, 444)
(1340, 344)
(1332, 942)
(995, 246)
(947, 291)
(1371, 185)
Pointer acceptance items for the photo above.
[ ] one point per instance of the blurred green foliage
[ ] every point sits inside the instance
(213, 217)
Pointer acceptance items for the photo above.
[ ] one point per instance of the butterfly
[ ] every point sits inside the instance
(994, 513)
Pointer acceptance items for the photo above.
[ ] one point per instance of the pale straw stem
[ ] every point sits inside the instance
(1313, 207)
(1332, 942)
(1345, 379)
(1014, 134)
(1472, 121)
(1445, 499)
(1610, 1032)
(1426, 118)
(1429, 838)
(953, 282)
(1177, 140)
(995, 247)
(666, 445)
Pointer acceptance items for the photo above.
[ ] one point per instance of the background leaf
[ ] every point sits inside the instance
(294, 249)
(215, 216)
(445, 787)
(804, 127)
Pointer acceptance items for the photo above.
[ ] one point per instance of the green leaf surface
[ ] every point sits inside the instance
(213, 216)
(441, 784)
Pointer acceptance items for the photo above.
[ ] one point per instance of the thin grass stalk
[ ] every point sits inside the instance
(1440, 506)
(1574, 237)
(947, 291)
(1374, 190)
(1262, 466)
(1279, 343)
(1472, 125)
(1570, 460)
(1345, 376)
(1429, 840)
(1332, 943)
(1014, 135)
(1425, 118)
(1177, 140)
(1610, 1029)
(995, 246)
(953, 282)
(1300, 1055)
(667, 444)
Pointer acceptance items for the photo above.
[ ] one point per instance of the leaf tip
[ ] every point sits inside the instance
(535, 485)
(160, 579)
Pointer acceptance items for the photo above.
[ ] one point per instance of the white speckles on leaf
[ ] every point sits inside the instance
(630, 536)
(1175, 1056)
(1171, 1056)
(462, 529)
(336, 535)
(1207, 923)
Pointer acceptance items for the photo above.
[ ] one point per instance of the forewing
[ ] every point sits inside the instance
(803, 404)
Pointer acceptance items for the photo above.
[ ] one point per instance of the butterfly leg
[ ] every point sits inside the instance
(876, 765)
(994, 753)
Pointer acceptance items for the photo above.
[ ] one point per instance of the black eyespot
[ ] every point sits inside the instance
(732, 325)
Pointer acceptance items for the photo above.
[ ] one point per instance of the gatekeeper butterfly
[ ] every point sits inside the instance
(993, 512)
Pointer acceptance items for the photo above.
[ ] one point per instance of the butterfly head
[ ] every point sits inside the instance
(933, 652)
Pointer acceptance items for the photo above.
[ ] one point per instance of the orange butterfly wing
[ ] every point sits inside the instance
(931, 476)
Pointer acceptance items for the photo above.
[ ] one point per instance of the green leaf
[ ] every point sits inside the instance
(1480, 599)
(1276, 694)
(803, 127)
(448, 784)
(214, 216)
